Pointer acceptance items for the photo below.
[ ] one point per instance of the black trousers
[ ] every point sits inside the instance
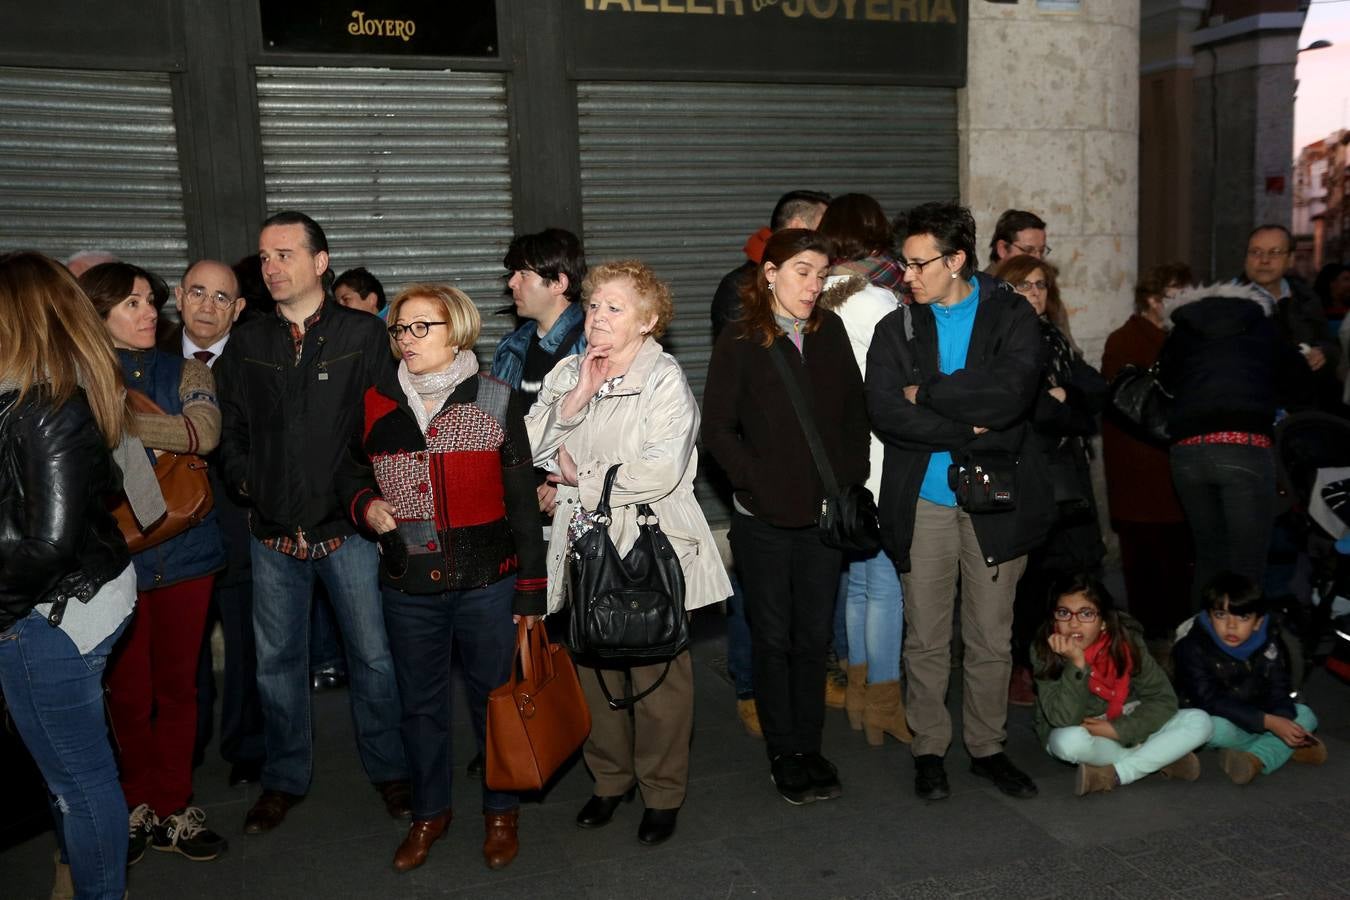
(790, 580)
(241, 725)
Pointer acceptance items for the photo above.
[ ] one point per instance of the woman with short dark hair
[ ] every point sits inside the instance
(951, 384)
(789, 577)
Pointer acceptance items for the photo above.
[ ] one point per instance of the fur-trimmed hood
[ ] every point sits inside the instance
(1227, 290)
(1219, 310)
(844, 287)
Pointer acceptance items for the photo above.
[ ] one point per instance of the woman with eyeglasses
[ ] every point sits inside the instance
(952, 385)
(442, 472)
(1064, 419)
(152, 678)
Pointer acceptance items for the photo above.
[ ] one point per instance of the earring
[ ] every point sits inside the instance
(771, 287)
(953, 274)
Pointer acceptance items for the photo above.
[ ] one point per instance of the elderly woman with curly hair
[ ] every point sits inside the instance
(625, 401)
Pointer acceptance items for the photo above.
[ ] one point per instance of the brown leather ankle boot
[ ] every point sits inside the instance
(884, 714)
(855, 695)
(415, 847)
(501, 842)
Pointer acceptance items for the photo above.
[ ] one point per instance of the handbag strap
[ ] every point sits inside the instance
(603, 508)
(804, 417)
(617, 703)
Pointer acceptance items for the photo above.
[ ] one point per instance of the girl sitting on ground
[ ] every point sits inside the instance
(1102, 702)
(1232, 665)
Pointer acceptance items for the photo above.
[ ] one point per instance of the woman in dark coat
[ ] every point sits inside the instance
(1063, 419)
(1155, 543)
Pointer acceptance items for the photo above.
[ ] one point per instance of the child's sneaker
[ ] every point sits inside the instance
(1185, 769)
(185, 832)
(1240, 767)
(1312, 755)
(141, 827)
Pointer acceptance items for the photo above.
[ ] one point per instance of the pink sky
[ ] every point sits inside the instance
(1323, 103)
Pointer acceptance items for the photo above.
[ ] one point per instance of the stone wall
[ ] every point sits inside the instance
(1049, 122)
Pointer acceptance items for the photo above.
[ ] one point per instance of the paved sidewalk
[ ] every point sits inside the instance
(1283, 836)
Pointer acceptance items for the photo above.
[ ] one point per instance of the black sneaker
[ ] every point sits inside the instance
(930, 778)
(185, 832)
(141, 827)
(1006, 777)
(789, 774)
(824, 776)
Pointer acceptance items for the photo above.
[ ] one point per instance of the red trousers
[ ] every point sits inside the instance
(152, 694)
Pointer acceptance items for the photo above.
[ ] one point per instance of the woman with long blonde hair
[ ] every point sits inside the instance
(67, 586)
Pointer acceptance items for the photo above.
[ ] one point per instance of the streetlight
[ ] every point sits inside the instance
(1315, 45)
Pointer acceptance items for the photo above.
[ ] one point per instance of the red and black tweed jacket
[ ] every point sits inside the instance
(463, 493)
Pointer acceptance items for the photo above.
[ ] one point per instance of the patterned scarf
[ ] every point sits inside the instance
(434, 388)
(1059, 355)
(882, 270)
(1104, 681)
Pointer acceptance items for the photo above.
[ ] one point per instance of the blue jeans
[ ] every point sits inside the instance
(424, 631)
(56, 698)
(1187, 730)
(1228, 494)
(873, 615)
(325, 644)
(738, 644)
(283, 588)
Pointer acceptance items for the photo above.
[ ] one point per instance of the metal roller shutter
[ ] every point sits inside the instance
(408, 172)
(679, 174)
(89, 160)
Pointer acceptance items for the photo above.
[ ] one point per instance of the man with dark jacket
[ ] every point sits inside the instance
(1299, 319)
(210, 305)
(951, 381)
(291, 387)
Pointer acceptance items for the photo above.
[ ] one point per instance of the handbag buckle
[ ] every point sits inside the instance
(526, 705)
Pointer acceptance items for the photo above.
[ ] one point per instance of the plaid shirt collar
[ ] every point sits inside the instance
(298, 332)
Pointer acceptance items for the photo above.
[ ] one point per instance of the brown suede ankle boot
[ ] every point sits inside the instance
(1095, 780)
(884, 713)
(1240, 767)
(855, 695)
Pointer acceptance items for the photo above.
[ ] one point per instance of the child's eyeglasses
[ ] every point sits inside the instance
(1086, 614)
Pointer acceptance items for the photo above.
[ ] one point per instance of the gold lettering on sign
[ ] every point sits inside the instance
(645, 6)
(360, 26)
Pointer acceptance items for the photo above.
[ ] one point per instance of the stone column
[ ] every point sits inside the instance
(1049, 122)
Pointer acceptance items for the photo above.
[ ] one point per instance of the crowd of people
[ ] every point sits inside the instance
(373, 478)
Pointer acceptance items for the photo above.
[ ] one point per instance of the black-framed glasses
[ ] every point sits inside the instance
(199, 294)
(1038, 252)
(917, 266)
(1086, 615)
(418, 329)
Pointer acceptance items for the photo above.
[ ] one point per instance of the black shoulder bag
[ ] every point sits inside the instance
(1140, 402)
(848, 516)
(626, 610)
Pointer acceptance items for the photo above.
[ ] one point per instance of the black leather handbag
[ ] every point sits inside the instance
(626, 611)
(1141, 402)
(848, 515)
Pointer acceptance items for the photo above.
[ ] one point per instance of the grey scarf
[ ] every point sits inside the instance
(434, 388)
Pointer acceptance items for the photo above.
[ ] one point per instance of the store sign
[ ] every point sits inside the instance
(364, 27)
(920, 42)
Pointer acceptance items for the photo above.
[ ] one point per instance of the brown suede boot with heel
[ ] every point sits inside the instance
(884, 713)
(855, 695)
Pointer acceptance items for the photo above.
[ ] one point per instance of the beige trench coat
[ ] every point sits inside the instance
(649, 424)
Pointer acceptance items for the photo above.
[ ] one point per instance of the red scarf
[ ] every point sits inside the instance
(1104, 681)
(754, 245)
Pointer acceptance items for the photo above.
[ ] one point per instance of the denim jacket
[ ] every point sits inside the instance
(508, 363)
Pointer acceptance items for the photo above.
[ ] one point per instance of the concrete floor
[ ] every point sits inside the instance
(1283, 836)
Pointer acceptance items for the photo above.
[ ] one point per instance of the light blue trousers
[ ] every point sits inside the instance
(1184, 732)
(1265, 746)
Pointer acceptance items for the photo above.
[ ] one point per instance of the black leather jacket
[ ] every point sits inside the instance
(58, 540)
(1241, 691)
